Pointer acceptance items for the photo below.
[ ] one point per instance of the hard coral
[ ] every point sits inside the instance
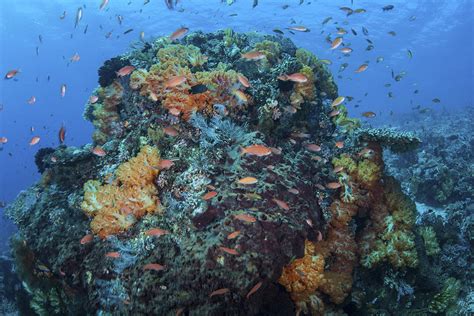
(115, 207)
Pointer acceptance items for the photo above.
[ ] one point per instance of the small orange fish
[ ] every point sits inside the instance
(366, 152)
(219, 292)
(313, 147)
(32, 100)
(86, 239)
(256, 150)
(233, 235)
(75, 58)
(165, 164)
(338, 169)
(333, 185)
(241, 96)
(294, 191)
(319, 237)
(113, 254)
(170, 131)
(346, 50)
(154, 267)
(336, 43)
(11, 74)
(369, 114)
(243, 80)
(362, 68)
(175, 81)
(299, 28)
(63, 90)
(282, 204)
(248, 180)
(125, 71)
(230, 251)
(179, 33)
(156, 232)
(276, 151)
(209, 195)
(334, 113)
(245, 218)
(338, 101)
(254, 289)
(98, 151)
(296, 77)
(62, 134)
(255, 55)
(93, 99)
(3, 140)
(340, 145)
(309, 222)
(35, 140)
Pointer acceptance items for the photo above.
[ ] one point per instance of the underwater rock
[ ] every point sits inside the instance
(162, 220)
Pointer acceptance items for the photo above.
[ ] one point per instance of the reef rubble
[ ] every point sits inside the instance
(223, 188)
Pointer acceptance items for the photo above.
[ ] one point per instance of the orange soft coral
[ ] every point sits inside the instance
(115, 207)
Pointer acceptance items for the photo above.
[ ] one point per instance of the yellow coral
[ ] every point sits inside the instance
(115, 207)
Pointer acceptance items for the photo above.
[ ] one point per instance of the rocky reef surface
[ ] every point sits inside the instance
(224, 178)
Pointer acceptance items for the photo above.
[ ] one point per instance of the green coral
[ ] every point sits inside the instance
(46, 303)
(430, 241)
(271, 50)
(306, 57)
(347, 124)
(448, 296)
(181, 55)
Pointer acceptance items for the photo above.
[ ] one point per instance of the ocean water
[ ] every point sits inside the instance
(437, 32)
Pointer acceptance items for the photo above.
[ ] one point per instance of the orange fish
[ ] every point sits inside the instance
(294, 191)
(32, 100)
(241, 96)
(86, 239)
(369, 114)
(165, 164)
(346, 50)
(254, 289)
(93, 99)
(334, 113)
(11, 74)
(153, 266)
(63, 90)
(256, 150)
(255, 55)
(248, 180)
(113, 254)
(156, 232)
(35, 140)
(209, 195)
(309, 222)
(243, 80)
(340, 145)
(98, 151)
(233, 235)
(338, 101)
(3, 140)
(219, 292)
(230, 251)
(338, 169)
(125, 71)
(75, 58)
(62, 134)
(336, 43)
(362, 68)
(175, 81)
(179, 33)
(296, 77)
(245, 218)
(299, 28)
(313, 147)
(333, 185)
(170, 131)
(281, 204)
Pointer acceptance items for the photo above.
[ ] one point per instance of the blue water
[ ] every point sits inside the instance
(440, 38)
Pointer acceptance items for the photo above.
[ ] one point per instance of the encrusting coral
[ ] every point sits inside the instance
(115, 207)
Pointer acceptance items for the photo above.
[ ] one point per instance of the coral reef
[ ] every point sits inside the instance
(217, 196)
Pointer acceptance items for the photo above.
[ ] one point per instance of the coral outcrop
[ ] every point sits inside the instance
(217, 190)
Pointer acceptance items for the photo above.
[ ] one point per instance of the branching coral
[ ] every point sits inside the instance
(115, 207)
(429, 238)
